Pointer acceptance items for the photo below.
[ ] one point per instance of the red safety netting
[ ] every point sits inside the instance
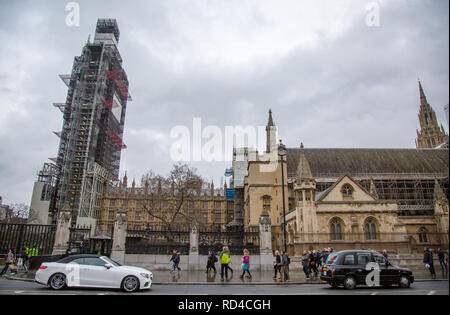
(117, 140)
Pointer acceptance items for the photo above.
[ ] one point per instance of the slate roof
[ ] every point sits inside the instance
(335, 162)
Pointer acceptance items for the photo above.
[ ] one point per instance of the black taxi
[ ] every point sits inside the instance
(362, 267)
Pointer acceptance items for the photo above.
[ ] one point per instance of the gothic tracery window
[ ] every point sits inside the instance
(336, 226)
(370, 229)
(347, 191)
(423, 237)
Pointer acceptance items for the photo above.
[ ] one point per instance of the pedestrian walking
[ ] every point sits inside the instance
(277, 265)
(319, 259)
(313, 263)
(211, 263)
(325, 254)
(285, 261)
(177, 261)
(428, 261)
(172, 259)
(246, 264)
(23, 260)
(10, 258)
(385, 254)
(224, 258)
(443, 262)
(305, 264)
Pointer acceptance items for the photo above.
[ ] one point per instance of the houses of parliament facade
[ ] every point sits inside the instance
(394, 199)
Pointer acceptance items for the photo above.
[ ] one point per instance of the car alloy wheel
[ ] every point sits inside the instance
(350, 283)
(404, 281)
(130, 284)
(57, 281)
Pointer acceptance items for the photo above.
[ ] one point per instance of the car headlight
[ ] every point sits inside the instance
(145, 275)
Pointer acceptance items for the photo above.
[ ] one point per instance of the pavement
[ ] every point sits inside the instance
(201, 278)
(8, 287)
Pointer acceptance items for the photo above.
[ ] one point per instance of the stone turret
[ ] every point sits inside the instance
(305, 192)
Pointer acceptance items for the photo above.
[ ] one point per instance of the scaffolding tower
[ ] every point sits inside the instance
(93, 117)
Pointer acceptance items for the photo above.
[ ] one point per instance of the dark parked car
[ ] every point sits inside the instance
(348, 268)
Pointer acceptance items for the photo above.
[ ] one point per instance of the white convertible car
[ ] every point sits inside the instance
(91, 271)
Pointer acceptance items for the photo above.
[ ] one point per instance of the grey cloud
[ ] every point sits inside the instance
(358, 89)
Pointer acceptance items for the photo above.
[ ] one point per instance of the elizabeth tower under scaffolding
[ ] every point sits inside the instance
(94, 117)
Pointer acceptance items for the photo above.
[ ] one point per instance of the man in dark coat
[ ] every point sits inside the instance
(428, 261)
(442, 261)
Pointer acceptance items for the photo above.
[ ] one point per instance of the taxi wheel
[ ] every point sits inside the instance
(404, 282)
(350, 283)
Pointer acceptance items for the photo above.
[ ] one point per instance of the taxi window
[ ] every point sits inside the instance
(331, 259)
(363, 259)
(379, 259)
(349, 259)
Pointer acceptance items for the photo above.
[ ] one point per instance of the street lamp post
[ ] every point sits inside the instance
(282, 153)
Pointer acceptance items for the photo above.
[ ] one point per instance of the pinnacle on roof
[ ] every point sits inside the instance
(303, 168)
(270, 123)
(438, 192)
(422, 94)
(373, 190)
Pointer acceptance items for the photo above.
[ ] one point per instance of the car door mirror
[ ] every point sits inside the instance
(108, 266)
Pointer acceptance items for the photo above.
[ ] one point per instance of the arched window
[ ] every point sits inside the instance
(266, 203)
(347, 191)
(370, 229)
(336, 226)
(423, 237)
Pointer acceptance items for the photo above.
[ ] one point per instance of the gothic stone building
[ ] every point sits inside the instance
(394, 199)
(209, 205)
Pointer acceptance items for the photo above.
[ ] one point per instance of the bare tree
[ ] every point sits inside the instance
(170, 195)
(18, 213)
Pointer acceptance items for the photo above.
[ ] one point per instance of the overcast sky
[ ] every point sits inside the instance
(330, 80)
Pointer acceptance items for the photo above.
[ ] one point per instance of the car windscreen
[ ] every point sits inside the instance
(112, 262)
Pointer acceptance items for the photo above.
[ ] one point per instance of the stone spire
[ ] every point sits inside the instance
(373, 190)
(270, 123)
(423, 98)
(212, 188)
(430, 134)
(303, 168)
(271, 134)
(133, 186)
(125, 181)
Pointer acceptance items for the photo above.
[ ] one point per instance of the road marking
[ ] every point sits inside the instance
(18, 292)
(431, 292)
(374, 293)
